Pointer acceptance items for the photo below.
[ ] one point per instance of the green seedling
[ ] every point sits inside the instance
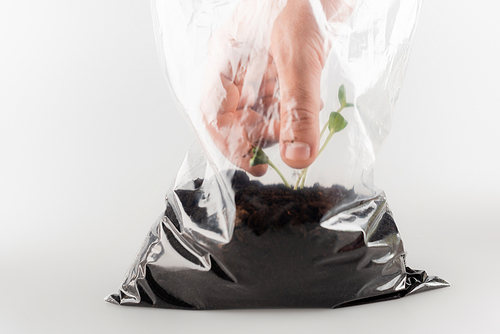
(336, 123)
(261, 158)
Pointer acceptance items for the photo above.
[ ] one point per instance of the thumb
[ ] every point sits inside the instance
(299, 74)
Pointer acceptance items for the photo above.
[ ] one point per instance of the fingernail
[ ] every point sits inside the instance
(297, 151)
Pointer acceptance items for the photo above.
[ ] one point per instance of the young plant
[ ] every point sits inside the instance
(336, 123)
(261, 158)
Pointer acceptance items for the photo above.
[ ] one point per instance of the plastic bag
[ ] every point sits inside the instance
(236, 236)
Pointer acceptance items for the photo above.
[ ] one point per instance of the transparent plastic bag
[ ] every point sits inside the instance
(236, 236)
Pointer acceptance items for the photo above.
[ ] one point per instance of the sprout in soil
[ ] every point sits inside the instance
(336, 123)
(261, 158)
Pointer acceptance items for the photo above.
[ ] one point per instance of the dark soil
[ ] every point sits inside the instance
(261, 207)
(279, 254)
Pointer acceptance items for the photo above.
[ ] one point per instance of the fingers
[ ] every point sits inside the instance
(299, 112)
(231, 139)
(299, 115)
(268, 89)
(260, 130)
(235, 131)
(299, 58)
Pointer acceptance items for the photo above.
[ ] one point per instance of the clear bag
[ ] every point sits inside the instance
(236, 236)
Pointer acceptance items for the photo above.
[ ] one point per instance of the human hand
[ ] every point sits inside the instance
(263, 84)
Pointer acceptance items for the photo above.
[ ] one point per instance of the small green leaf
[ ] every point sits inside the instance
(342, 98)
(259, 157)
(336, 122)
(349, 105)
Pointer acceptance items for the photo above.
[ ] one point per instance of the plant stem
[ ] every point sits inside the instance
(279, 173)
(298, 179)
(302, 176)
(330, 135)
(323, 130)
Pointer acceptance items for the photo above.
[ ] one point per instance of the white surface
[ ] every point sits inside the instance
(89, 143)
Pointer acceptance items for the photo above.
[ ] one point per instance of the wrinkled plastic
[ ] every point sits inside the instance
(209, 251)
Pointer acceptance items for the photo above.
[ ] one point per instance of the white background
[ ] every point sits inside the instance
(90, 141)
